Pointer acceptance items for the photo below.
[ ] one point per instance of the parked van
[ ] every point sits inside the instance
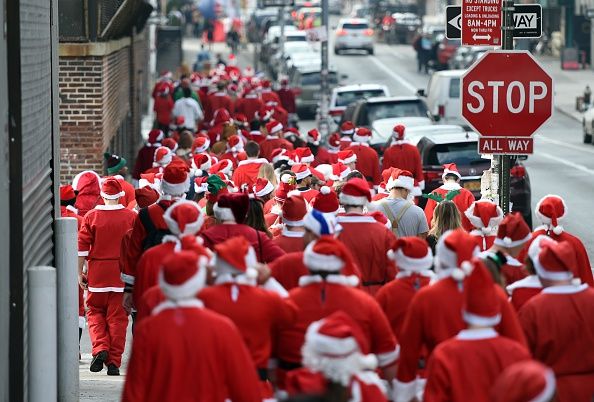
(443, 96)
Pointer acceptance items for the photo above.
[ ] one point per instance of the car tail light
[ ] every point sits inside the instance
(341, 32)
(293, 14)
(297, 91)
(431, 175)
(335, 112)
(441, 110)
(368, 32)
(518, 171)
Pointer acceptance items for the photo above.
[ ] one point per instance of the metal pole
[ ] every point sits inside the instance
(324, 99)
(504, 160)
(68, 320)
(42, 331)
(281, 39)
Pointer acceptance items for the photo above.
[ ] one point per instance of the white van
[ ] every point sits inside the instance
(443, 96)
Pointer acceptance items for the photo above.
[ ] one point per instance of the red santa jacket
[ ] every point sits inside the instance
(218, 100)
(265, 249)
(325, 156)
(367, 162)
(99, 239)
(234, 157)
(462, 201)
(512, 271)
(281, 115)
(271, 143)
(583, 269)
(247, 172)
(290, 242)
(464, 368)
(394, 298)
(484, 242)
(71, 212)
(144, 160)
(316, 299)
(248, 106)
(405, 156)
(256, 312)
(163, 107)
(426, 326)
(523, 290)
(308, 194)
(369, 251)
(558, 325)
(268, 95)
(185, 353)
(287, 99)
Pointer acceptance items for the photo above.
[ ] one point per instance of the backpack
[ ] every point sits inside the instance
(154, 236)
(395, 220)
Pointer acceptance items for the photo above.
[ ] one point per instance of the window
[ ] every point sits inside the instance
(413, 108)
(462, 154)
(455, 88)
(354, 26)
(346, 98)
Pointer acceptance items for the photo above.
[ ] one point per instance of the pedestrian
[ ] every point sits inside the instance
(249, 103)
(287, 96)
(406, 218)
(220, 99)
(255, 216)
(292, 213)
(99, 244)
(485, 216)
(559, 322)
(273, 140)
(234, 150)
(369, 251)
(403, 155)
(185, 352)
(329, 154)
(189, 109)
(465, 367)
(247, 170)
(163, 108)
(367, 158)
(445, 217)
(267, 94)
(450, 190)
(146, 154)
(525, 381)
(116, 167)
(525, 289)
(303, 177)
(87, 187)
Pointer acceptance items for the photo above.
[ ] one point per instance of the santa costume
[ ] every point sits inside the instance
(525, 381)
(87, 185)
(256, 311)
(234, 150)
(99, 242)
(464, 368)
(293, 211)
(559, 322)
(347, 129)
(403, 155)
(273, 141)
(183, 352)
(525, 289)
(485, 216)
(144, 159)
(249, 104)
(370, 250)
(512, 232)
(367, 158)
(329, 154)
(219, 100)
(267, 94)
(247, 171)
(302, 172)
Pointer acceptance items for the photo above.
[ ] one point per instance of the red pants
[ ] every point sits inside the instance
(81, 307)
(107, 322)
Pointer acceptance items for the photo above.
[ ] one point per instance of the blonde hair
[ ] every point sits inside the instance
(445, 217)
(267, 172)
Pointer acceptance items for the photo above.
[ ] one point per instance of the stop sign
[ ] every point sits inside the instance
(506, 94)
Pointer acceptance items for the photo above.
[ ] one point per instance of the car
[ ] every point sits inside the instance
(403, 28)
(461, 148)
(293, 51)
(365, 112)
(343, 96)
(443, 96)
(445, 51)
(588, 125)
(306, 82)
(255, 26)
(353, 34)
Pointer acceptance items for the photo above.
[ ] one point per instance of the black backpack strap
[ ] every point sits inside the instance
(146, 220)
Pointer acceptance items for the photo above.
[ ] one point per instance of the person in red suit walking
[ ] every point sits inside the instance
(403, 155)
(367, 158)
(286, 96)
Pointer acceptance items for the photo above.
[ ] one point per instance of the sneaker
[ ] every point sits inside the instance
(112, 369)
(98, 361)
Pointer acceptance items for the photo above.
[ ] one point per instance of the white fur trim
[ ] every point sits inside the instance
(553, 276)
(294, 223)
(223, 214)
(72, 209)
(83, 253)
(509, 243)
(350, 281)
(363, 139)
(531, 282)
(449, 186)
(81, 322)
(565, 289)
(175, 189)
(477, 334)
(355, 219)
(273, 285)
(112, 196)
(478, 320)
(169, 304)
(405, 182)
(303, 175)
(549, 390)
(388, 358)
(327, 345)
(346, 199)
(412, 264)
(351, 159)
(186, 290)
(545, 220)
(106, 289)
(78, 177)
(252, 161)
(277, 127)
(477, 222)
(191, 228)
(448, 171)
(403, 391)
(307, 159)
(321, 262)
(268, 188)
(109, 207)
(127, 279)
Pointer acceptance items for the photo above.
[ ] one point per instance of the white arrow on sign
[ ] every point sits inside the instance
(485, 37)
(456, 22)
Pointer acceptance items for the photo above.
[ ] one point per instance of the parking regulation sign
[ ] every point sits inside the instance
(481, 22)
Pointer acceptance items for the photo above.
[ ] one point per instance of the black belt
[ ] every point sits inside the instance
(285, 365)
(374, 283)
(263, 374)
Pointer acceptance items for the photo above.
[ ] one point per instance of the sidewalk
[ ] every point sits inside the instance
(568, 85)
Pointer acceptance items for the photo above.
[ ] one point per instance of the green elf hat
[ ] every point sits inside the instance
(114, 163)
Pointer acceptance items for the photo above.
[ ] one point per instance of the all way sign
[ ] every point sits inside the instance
(481, 22)
(527, 21)
(505, 146)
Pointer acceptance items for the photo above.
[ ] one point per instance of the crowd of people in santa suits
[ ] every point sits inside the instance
(258, 264)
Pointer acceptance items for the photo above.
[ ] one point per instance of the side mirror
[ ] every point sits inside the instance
(435, 117)
(344, 76)
(421, 92)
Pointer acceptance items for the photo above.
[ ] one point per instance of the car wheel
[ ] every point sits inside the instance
(587, 137)
(336, 51)
(370, 51)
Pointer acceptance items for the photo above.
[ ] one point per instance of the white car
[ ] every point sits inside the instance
(588, 125)
(343, 96)
(353, 34)
(443, 96)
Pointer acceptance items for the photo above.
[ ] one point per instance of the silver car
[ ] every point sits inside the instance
(353, 34)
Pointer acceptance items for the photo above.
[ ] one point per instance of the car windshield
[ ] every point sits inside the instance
(462, 154)
(314, 78)
(376, 111)
(345, 98)
(354, 26)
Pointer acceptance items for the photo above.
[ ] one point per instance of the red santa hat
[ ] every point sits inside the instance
(484, 215)
(221, 116)
(550, 210)
(240, 119)
(183, 275)
(262, 187)
(301, 171)
(525, 381)
(340, 172)
(274, 127)
(313, 136)
(400, 179)
(398, 131)
(200, 145)
(347, 128)
(200, 184)
(264, 114)
(326, 254)
(482, 306)
(335, 347)
(162, 157)
(265, 84)
(347, 156)
(454, 249)
(234, 144)
(291, 131)
(326, 201)
(111, 189)
(279, 154)
(236, 256)
(176, 180)
(293, 210)
(155, 137)
(201, 162)
(67, 193)
(224, 166)
(232, 207)
(320, 223)
(152, 180)
(513, 231)
(537, 244)
(285, 186)
(556, 261)
(170, 143)
(146, 196)
(87, 179)
(334, 142)
(355, 192)
(303, 155)
(411, 254)
(184, 218)
(362, 134)
(450, 168)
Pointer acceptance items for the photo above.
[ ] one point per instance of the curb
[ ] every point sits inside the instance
(568, 114)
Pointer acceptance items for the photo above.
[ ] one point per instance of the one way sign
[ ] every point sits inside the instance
(527, 21)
